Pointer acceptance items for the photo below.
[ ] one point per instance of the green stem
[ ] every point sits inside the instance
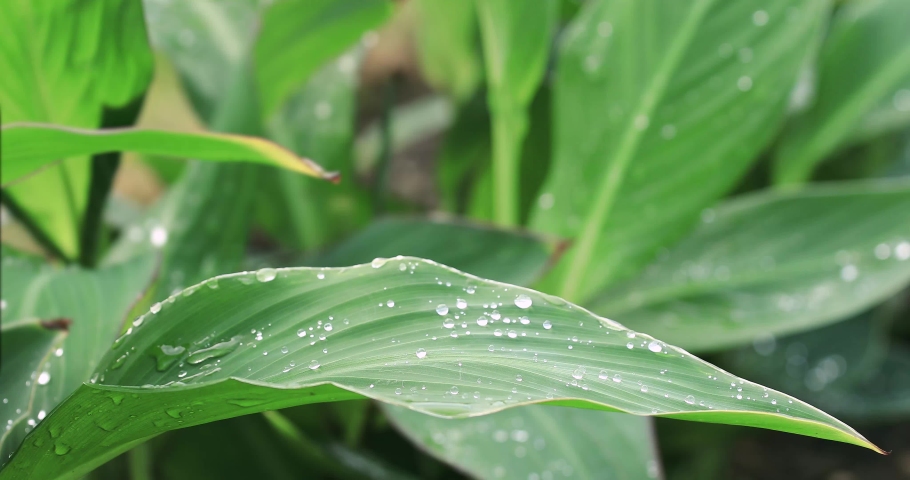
(140, 462)
(104, 168)
(509, 128)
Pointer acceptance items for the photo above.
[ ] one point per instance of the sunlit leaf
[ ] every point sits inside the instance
(68, 63)
(864, 86)
(217, 350)
(773, 263)
(659, 108)
(30, 147)
(447, 42)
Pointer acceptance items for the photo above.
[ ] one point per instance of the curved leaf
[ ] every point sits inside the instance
(253, 341)
(865, 62)
(30, 147)
(70, 63)
(773, 263)
(660, 107)
(537, 441)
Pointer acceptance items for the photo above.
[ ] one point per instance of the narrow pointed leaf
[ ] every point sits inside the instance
(864, 71)
(773, 263)
(537, 441)
(217, 350)
(660, 107)
(29, 147)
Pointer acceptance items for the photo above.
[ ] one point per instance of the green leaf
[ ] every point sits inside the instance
(27, 346)
(660, 107)
(95, 303)
(773, 263)
(516, 44)
(318, 120)
(864, 86)
(299, 36)
(30, 147)
(487, 252)
(68, 63)
(447, 46)
(217, 350)
(537, 441)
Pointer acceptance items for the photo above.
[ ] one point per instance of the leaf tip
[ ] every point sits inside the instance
(60, 324)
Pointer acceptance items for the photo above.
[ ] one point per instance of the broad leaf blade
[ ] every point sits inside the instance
(644, 138)
(217, 350)
(298, 36)
(448, 47)
(95, 302)
(773, 263)
(864, 63)
(27, 347)
(29, 147)
(68, 63)
(537, 441)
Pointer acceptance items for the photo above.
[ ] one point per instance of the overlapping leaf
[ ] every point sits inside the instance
(255, 341)
(773, 263)
(30, 147)
(659, 108)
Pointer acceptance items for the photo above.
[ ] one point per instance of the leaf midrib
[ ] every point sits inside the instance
(610, 182)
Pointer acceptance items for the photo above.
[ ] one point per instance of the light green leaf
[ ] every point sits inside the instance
(28, 147)
(299, 36)
(27, 346)
(68, 63)
(447, 46)
(537, 441)
(864, 86)
(659, 108)
(94, 302)
(217, 350)
(516, 45)
(773, 263)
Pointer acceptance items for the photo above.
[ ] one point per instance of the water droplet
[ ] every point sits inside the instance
(158, 236)
(482, 321)
(644, 389)
(397, 391)
(630, 346)
(155, 308)
(617, 378)
(690, 400)
(378, 262)
(167, 355)
(517, 378)
(668, 131)
(284, 349)
(314, 364)
(448, 323)
(744, 83)
(848, 273)
(512, 334)
(301, 333)
(497, 332)
(882, 251)
(390, 303)
(421, 353)
(760, 18)
(44, 378)
(578, 373)
(461, 303)
(61, 448)
(266, 274)
(655, 346)
(523, 301)
(58, 352)
(547, 324)
(320, 276)
(495, 315)
(218, 350)
(441, 309)
(453, 390)
(902, 251)
(524, 320)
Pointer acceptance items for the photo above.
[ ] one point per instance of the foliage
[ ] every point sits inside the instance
(668, 165)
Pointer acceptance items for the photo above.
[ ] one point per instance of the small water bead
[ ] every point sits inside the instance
(760, 18)
(155, 308)
(441, 309)
(630, 346)
(482, 321)
(655, 347)
(690, 400)
(495, 315)
(314, 364)
(644, 389)
(497, 332)
(448, 323)
(402, 267)
(523, 301)
(378, 262)
(773, 402)
(547, 325)
(578, 373)
(461, 303)
(617, 378)
(470, 289)
(491, 348)
(397, 391)
(902, 251)
(454, 334)
(512, 334)
(158, 236)
(882, 251)
(390, 303)
(421, 353)
(284, 349)
(744, 83)
(266, 274)
(524, 320)
(453, 390)
(603, 375)
(44, 378)
(328, 327)
(848, 273)
(517, 378)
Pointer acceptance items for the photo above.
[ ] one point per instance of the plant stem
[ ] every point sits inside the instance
(33, 229)
(380, 189)
(104, 168)
(140, 462)
(509, 126)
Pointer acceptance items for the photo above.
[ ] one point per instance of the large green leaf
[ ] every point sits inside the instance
(448, 47)
(299, 36)
(30, 147)
(537, 442)
(27, 346)
(864, 86)
(95, 303)
(68, 63)
(516, 44)
(773, 263)
(659, 108)
(255, 341)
